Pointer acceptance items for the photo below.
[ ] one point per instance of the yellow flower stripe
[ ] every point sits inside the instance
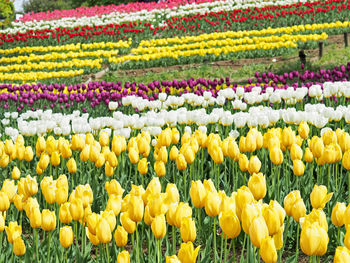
(39, 75)
(228, 42)
(68, 47)
(92, 63)
(240, 34)
(216, 51)
(55, 56)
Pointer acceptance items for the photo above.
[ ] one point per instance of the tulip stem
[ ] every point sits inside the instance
(225, 255)
(338, 235)
(35, 234)
(284, 239)
(83, 238)
(49, 246)
(174, 239)
(297, 246)
(135, 175)
(234, 249)
(158, 250)
(221, 247)
(199, 224)
(1, 240)
(214, 237)
(137, 244)
(244, 241)
(318, 259)
(66, 254)
(107, 252)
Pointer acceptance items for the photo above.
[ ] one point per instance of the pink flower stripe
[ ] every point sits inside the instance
(102, 10)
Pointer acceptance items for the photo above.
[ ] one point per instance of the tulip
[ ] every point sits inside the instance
(28, 154)
(198, 194)
(183, 210)
(158, 226)
(48, 220)
(347, 238)
(212, 204)
(268, 250)
(121, 237)
(159, 168)
(127, 223)
(66, 236)
(181, 163)
(298, 167)
(288, 137)
(250, 142)
(133, 155)
(91, 222)
(342, 254)
(9, 188)
(319, 196)
(136, 208)
(272, 219)
(13, 231)
(229, 224)
(172, 194)
(16, 173)
(103, 231)
(112, 159)
(174, 152)
(257, 185)
(249, 212)
(318, 148)
(243, 197)
(35, 218)
(296, 153)
(110, 218)
(313, 240)
(142, 166)
(303, 130)
(338, 214)
(243, 162)
(113, 187)
(93, 238)
(64, 214)
(114, 204)
(294, 205)
(18, 201)
(308, 157)
(123, 257)
(254, 165)
(172, 259)
(276, 156)
(258, 231)
(71, 165)
(188, 230)
(175, 136)
(61, 195)
(187, 253)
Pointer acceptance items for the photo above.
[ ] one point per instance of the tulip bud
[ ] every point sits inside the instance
(35, 218)
(19, 248)
(288, 137)
(188, 230)
(338, 214)
(243, 162)
(123, 257)
(48, 220)
(249, 213)
(296, 153)
(127, 223)
(212, 204)
(294, 205)
(298, 167)
(257, 185)
(187, 253)
(303, 130)
(319, 196)
(103, 231)
(198, 194)
(346, 160)
(4, 202)
(258, 231)
(183, 210)
(158, 226)
(159, 168)
(136, 208)
(76, 209)
(229, 224)
(313, 240)
(181, 162)
(342, 254)
(121, 237)
(318, 148)
(308, 157)
(268, 250)
(71, 165)
(66, 236)
(142, 166)
(16, 173)
(254, 165)
(276, 155)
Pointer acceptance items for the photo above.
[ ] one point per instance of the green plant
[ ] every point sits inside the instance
(45, 5)
(6, 12)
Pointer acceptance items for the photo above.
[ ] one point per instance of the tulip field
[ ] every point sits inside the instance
(182, 170)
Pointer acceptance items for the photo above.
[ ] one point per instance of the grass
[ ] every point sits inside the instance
(332, 56)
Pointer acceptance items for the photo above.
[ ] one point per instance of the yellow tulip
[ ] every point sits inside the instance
(123, 257)
(113, 187)
(249, 213)
(103, 231)
(71, 165)
(313, 240)
(19, 248)
(13, 231)
(104, 138)
(254, 165)
(66, 236)
(338, 214)
(257, 185)
(296, 153)
(258, 231)
(243, 162)
(135, 208)
(174, 152)
(159, 168)
(158, 226)
(172, 194)
(16, 173)
(276, 155)
(212, 203)
(303, 130)
(28, 154)
(64, 214)
(172, 259)
(93, 238)
(187, 253)
(198, 194)
(342, 254)
(346, 160)
(183, 210)
(110, 218)
(91, 222)
(298, 167)
(35, 218)
(48, 220)
(114, 204)
(121, 237)
(127, 223)
(308, 157)
(142, 166)
(188, 230)
(243, 197)
(229, 224)
(76, 209)
(181, 163)
(319, 196)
